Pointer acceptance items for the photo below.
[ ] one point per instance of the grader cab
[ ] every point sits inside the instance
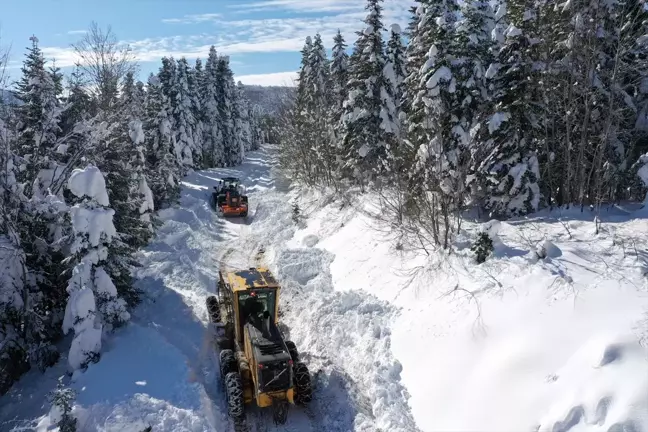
(257, 365)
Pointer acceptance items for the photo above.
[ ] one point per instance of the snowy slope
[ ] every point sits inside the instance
(516, 343)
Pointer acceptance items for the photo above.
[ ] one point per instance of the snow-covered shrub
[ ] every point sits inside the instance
(62, 400)
(483, 247)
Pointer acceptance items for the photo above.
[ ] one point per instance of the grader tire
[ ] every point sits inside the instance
(234, 389)
(213, 308)
(302, 382)
(227, 363)
(292, 349)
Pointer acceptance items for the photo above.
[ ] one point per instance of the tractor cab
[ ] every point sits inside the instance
(229, 184)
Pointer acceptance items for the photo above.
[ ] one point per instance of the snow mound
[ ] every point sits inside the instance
(547, 249)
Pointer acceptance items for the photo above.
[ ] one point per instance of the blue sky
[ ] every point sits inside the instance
(263, 37)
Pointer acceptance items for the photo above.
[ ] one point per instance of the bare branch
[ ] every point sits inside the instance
(105, 62)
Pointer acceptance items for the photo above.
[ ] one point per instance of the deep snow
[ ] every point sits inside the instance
(395, 341)
(518, 343)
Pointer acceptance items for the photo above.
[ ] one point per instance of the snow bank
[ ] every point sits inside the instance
(511, 344)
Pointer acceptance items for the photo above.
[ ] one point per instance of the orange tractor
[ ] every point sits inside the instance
(229, 198)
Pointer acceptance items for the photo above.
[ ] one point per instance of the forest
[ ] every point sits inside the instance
(503, 109)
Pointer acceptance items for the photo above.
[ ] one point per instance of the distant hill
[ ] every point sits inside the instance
(269, 99)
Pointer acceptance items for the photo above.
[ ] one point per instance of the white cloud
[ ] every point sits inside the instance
(77, 32)
(193, 19)
(311, 6)
(270, 79)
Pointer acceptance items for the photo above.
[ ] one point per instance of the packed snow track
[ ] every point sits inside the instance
(162, 369)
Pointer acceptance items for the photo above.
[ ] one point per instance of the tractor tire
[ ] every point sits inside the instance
(234, 390)
(227, 363)
(292, 349)
(302, 383)
(213, 309)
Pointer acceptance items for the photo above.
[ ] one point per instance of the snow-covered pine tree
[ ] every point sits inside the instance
(213, 151)
(623, 71)
(228, 118)
(256, 118)
(57, 79)
(439, 170)
(62, 400)
(93, 301)
(633, 79)
(339, 75)
(196, 86)
(368, 120)
(184, 122)
(396, 62)
(39, 117)
(397, 154)
(131, 118)
(164, 168)
(42, 223)
(296, 155)
(507, 166)
(13, 283)
(168, 79)
(245, 111)
(132, 98)
(79, 105)
(339, 78)
(318, 99)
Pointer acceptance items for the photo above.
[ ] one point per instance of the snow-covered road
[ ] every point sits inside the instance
(162, 371)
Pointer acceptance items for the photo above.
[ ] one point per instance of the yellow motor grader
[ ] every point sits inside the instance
(256, 364)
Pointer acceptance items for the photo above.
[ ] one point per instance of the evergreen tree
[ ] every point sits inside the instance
(213, 151)
(42, 223)
(369, 117)
(94, 301)
(184, 122)
(164, 169)
(79, 106)
(39, 117)
(228, 117)
(317, 102)
(507, 161)
(397, 154)
(196, 86)
(339, 75)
